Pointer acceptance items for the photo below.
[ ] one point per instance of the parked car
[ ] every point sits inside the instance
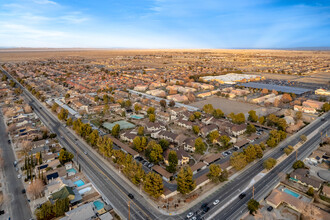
(270, 208)
(204, 205)
(206, 209)
(150, 165)
(190, 214)
(19, 176)
(85, 152)
(23, 191)
(242, 195)
(9, 141)
(216, 202)
(130, 195)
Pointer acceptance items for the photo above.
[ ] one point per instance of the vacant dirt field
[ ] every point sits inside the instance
(228, 106)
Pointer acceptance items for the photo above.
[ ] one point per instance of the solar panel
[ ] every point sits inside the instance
(286, 89)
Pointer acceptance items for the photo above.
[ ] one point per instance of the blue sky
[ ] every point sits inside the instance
(165, 23)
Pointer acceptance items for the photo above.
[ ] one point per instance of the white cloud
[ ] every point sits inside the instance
(45, 2)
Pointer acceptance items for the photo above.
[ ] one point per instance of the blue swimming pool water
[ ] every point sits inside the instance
(79, 183)
(72, 170)
(291, 193)
(99, 205)
(136, 117)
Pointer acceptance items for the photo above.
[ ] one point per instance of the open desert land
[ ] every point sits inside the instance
(228, 106)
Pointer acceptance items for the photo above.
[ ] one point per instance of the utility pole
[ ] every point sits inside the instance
(129, 213)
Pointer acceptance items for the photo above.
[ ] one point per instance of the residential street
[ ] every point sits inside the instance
(18, 208)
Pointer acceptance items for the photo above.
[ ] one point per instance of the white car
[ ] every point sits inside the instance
(19, 176)
(216, 202)
(190, 214)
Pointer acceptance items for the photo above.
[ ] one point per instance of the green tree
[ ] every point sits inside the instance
(93, 137)
(4, 77)
(200, 147)
(310, 191)
(185, 181)
(259, 151)
(105, 146)
(192, 117)
(250, 129)
(154, 152)
(269, 163)
(208, 108)
(303, 138)
(172, 162)
(218, 113)
(238, 160)
(69, 122)
(298, 164)
(162, 103)
(137, 108)
(65, 156)
(214, 173)
(298, 115)
(253, 116)
(153, 185)
(151, 110)
(214, 135)
(326, 107)
(152, 118)
(261, 120)
(171, 104)
(164, 144)
(253, 206)
(140, 131)
(54, 107)
(67, 95)
(197, 115)
(271, 142)
(195, 129)
(63, 115)
(115, 130)
(250, 153)
(224, 139)
(140, 143)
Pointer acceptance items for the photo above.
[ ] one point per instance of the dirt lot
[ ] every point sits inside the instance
(228, 106)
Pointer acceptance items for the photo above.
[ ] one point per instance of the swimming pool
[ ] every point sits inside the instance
(291, 193)
(98, 205)
(79, 183)
(136, 116)
(72, 170)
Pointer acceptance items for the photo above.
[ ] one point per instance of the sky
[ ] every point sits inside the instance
(164, 23)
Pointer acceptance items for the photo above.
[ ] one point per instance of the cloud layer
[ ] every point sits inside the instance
(165, 23)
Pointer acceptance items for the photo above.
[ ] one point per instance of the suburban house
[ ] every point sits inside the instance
(204, 131)
(278, 197)
(184, 123)
(167, 135)
(127, 136)
(302, 176)
(163, 117)
(237, 130)
(154, 126)
(189, 145)
(183, 157)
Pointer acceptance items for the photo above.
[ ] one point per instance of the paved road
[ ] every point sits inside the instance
(19, 207)
(115, 189)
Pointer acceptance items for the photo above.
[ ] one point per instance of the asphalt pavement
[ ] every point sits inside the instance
(19, 208)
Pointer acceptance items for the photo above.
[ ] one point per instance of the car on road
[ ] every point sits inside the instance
(23, 191)
(76, 139)
(270, 208)
(19, 176)
(40, 107)
(16, 169)
(15, 163)
(190, 214)
(206, 209)
(2, 212)
(9, 141)
(242, 195)
(204, 205)
(131, 196)
(85, 152)
(216, 202)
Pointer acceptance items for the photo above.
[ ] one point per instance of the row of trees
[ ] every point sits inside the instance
(252, 152)
(275, 137)
(50, 211)
(216, 174)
